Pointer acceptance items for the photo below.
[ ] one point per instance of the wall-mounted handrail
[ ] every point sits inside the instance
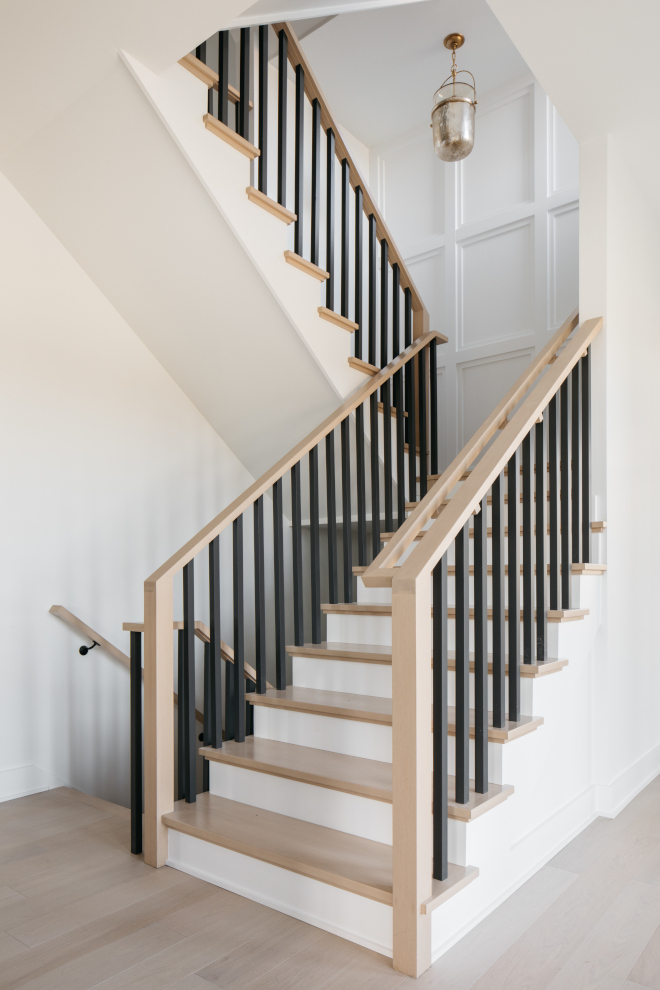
(266, 481)
(381, 571)
(313, 90)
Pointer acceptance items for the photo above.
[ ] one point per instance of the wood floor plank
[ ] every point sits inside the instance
(309, 969)
(369, 971)
(469, 959)
(646, 969)
(604, 958)
(241, 968)
(538, 955)
(95, 967)
(9, 946)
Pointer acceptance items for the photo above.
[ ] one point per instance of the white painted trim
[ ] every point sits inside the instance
(299, 14)
(20, 781)
(613, 797)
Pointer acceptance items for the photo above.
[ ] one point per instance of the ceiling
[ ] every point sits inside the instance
(379, 68)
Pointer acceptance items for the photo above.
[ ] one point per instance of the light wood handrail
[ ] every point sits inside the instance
(313, 91)
(440, 536)
(381, 571)
(251, 494)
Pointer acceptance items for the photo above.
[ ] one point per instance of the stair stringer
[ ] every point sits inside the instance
(552, 772)
(180, 100)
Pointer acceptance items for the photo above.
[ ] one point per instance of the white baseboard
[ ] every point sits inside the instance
(21, 781)
(613, 798)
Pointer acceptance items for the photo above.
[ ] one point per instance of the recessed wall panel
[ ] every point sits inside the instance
(413, 192)
(564, 239)
(496, 285)
(482, 384)
(564, 155)
(498, 173)
(428, 275)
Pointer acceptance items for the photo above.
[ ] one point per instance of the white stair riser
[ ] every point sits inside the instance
(307, 802)
(348, 915)
(339, 735)
(377, 629)
(383, 596)
(343, 675)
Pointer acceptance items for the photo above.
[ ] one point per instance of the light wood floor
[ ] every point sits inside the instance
(78, 911)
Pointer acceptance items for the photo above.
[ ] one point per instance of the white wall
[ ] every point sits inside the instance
(620, 259)
(491, 242)
(108, 468)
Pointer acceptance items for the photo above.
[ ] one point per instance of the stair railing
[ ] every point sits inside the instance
(546, 444)
(380, 472)
(388, 280)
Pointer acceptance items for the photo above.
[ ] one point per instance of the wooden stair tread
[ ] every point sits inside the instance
(596, 527)
(337, 319)
(478, 804)
(342, 651)
(337, 858)
(459, 877)
(595, 569)
(510, 731)
(230, 136)
(541, 669)
(305, 266)
(357, 707)
(357, 608)
(270, 205)
(336, 771)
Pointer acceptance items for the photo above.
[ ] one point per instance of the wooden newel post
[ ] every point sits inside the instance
(158, 720)
(412, 754)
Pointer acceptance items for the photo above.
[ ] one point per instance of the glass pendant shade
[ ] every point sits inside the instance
(452, 117)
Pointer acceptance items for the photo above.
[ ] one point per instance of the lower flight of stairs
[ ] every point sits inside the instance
(298, 816)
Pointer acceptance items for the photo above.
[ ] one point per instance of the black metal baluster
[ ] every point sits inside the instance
(576, 465)
(330, 220)
(263, 108)
(316, 181)
(400, 449)
(223, 80)
(314, 543)
(499, 648)
(331, 502)
(373, 262)
(230, 687)
(423, 412)
(296, 556)
(396, 309)
(387, 456)
(411, 409)
(206, 725)
(481, 649)
(541, 527)
(565, 472)
(462, 580)
(345, 250)
(181, 723)
(239, 632)
(215, 653)
(299, 177)
(358, 316)
(361, 485)
(384, 308)
(249, 709)
(200, 52)
(346, 526)
(527, 559)
(259, 596)
(243, 106)
(189, 728)
(433, 404)
(513, 547)
(136, 742)
(440, 761)
(282, 117)
(278, 561)
(553, 459)
(375, 476)
(586, 457)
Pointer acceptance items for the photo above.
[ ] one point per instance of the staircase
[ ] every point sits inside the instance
(329, 795)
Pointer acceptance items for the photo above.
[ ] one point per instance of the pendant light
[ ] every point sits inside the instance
(452, 118)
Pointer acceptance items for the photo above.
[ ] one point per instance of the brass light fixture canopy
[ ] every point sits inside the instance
(452, 117)
(454, 41)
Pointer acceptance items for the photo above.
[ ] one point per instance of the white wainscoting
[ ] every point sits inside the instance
(492, 243)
